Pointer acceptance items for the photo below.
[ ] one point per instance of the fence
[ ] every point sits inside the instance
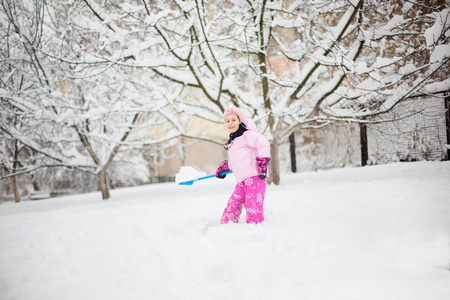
(416, 129)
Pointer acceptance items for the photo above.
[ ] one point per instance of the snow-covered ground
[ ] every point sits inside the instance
(379, 232)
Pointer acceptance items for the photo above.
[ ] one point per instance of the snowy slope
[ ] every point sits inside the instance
(379, 232)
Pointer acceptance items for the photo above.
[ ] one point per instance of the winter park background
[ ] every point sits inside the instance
(103, 101)
(378, 232)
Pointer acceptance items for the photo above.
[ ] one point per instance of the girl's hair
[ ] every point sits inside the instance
(225, 146)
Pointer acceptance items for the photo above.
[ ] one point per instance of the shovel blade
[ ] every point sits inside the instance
(189, 182)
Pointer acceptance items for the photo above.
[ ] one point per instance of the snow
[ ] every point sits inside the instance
(437, 87)
(433, 33)
(188, 173)
(440, 53)
(407, 7)
(378, 232)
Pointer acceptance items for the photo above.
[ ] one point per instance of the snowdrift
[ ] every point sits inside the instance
(379, 232)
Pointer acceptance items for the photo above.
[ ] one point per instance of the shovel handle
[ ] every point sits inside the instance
(191, 182)
(214, 175)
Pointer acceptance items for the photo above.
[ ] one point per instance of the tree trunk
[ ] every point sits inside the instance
(293, 152)
(153, 174)
(274, 174)
(447, 125)
(364, 146)
(14, 178)
(15, 189)
(103, 184)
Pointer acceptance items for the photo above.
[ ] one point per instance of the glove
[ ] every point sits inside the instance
(262, 163)
(223, 167)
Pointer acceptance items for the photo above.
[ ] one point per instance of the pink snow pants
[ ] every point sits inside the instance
(249, 193)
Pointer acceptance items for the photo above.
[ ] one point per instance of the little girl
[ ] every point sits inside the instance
(249, 155)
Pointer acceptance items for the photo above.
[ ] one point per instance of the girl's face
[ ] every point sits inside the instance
(232, 122)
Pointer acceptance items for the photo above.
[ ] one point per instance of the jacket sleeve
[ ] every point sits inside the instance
(259, 142)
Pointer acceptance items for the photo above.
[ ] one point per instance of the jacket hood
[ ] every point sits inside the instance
(250, 125)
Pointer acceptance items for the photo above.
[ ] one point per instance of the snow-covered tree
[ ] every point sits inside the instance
(112, 65)
(295, 64)
(24, 84)
(59, 100)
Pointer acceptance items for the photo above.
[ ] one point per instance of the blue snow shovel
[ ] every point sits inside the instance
(191, 182)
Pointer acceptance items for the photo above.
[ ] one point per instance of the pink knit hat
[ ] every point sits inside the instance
(234, 110)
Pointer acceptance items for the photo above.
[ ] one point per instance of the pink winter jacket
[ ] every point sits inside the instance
(245, 149)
